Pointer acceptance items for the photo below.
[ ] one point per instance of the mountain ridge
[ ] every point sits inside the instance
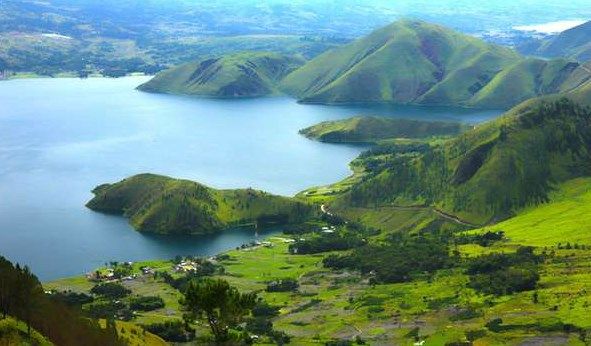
(415, 62)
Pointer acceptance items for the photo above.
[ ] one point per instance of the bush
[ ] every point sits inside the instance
(263, 309)
(110, 290)
(71, 298)
(259, 326)
(325, 242)
(148, 303)
(473, 335)
(501, 273)
(107, 310)
(171, 331)
(283, 285)
(494, 325)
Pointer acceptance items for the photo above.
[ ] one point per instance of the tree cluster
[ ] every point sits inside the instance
(23, 297)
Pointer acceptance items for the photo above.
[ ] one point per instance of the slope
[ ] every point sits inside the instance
(164, 205)
(237, 75)
(564, 219)
(489, 173)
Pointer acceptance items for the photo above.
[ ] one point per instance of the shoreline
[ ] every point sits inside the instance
(32, 75)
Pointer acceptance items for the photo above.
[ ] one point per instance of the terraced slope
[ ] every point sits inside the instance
(159, 204)
(421, 63)
(238, 75)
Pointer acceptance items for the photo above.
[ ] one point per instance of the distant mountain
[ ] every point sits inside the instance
(488, 173)
(574, 43)
(164, 205)
(235, 75)
(372, 129)
(420, 63)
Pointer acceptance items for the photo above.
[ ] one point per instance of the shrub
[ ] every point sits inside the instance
(111, 290)
(283, 285)
(172, 331)
(147, 303)
(501, 273)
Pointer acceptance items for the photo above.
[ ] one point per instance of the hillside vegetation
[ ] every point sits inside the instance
(420, 63)
(574, 43)
(564, 219)
(165, 205)
(372, 129)
(485, 174)
(235, 75)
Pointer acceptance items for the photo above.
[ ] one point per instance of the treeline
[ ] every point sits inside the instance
(23, 297)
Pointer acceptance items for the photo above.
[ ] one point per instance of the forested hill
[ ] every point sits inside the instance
(235, 75)
(488, 173)
(421, 63)
(165, 205)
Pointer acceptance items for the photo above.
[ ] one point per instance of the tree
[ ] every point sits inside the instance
(222, 305)
(29, 293)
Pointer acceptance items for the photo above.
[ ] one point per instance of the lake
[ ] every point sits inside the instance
(59, 138)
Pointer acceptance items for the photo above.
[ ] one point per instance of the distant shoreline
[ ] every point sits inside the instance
(32, 75)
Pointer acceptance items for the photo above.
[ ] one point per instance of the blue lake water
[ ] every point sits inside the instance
(61, 137)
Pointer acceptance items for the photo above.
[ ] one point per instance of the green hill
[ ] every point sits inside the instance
(488, 173)
(574, 43)
(420, 63)
(373, 129)
(164, 205)
(236, 75)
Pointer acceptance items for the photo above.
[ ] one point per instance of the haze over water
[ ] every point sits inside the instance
(59, 138)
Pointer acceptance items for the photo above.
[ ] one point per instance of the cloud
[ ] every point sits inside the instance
(551, 27)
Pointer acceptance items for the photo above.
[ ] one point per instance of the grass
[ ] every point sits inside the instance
(136, 336)
(563, 219)
(14, 332)
(326, 193)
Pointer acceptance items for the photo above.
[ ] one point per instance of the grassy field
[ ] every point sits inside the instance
(565, 218)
